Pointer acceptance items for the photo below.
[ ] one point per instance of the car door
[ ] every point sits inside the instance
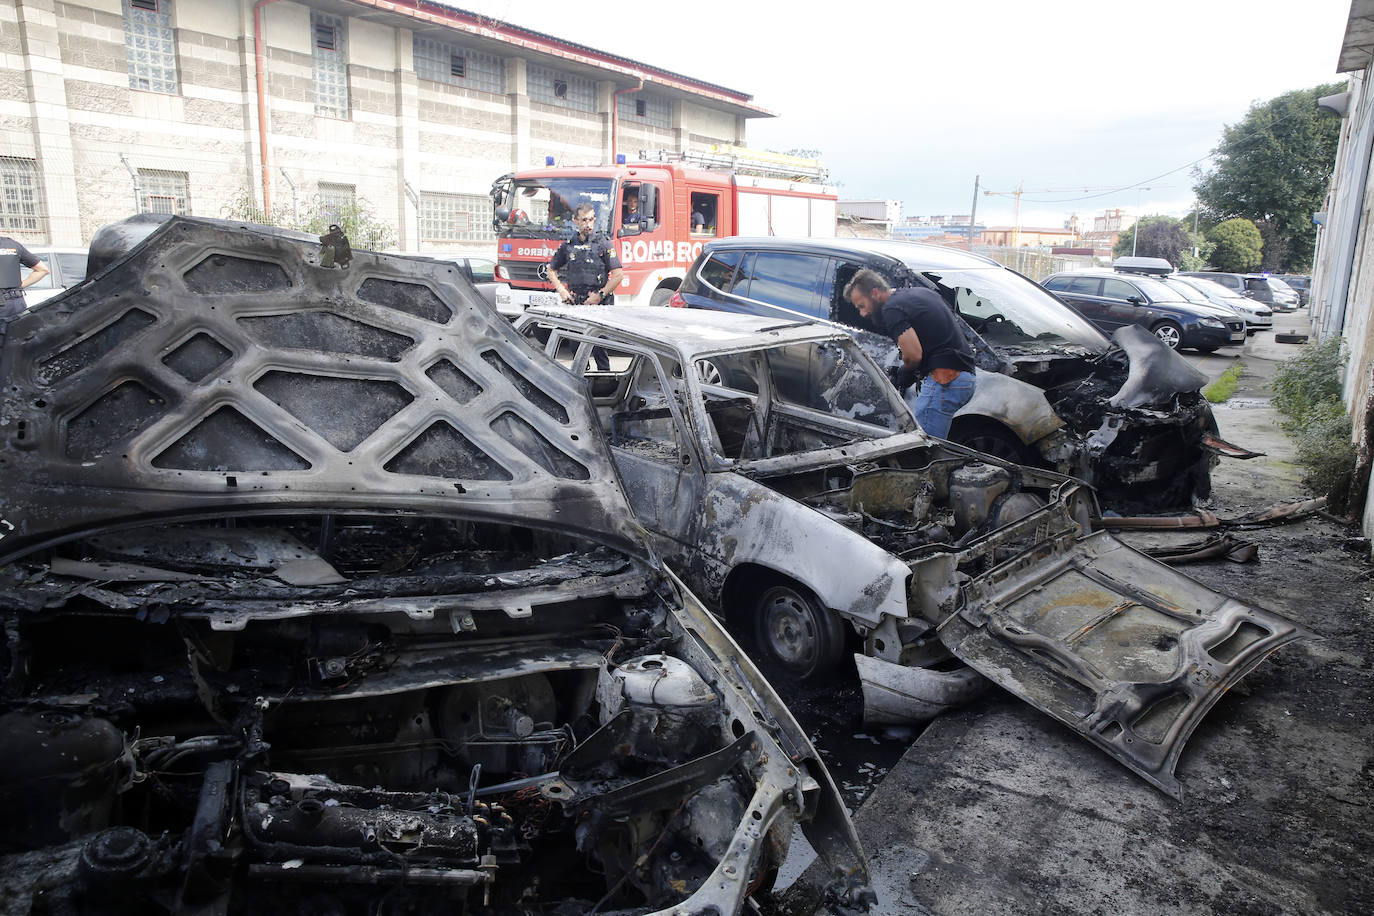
(639, 401)
(1122, 304)
(785, 284)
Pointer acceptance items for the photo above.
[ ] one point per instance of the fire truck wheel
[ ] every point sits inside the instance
(661, 296)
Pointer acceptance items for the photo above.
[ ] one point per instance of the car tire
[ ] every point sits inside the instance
(661, 296)
(1170, 333)
(991, 439)
(796, 633)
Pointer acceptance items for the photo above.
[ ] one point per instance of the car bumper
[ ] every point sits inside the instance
(1201, 336)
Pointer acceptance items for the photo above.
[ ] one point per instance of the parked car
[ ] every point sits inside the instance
(1300, 284)
(1290, 292)
(1258, 316)
(321, 594)
(1048, 381)
(481, 273)
(66, 268)
(1113, 299)
(776, 468)
(1251, 286)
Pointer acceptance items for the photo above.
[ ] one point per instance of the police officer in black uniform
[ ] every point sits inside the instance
(12, 255)
(585, 271)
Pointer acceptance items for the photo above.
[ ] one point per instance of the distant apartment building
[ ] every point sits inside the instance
(1026, 237)
(927, 228)
(192, 106)
(1107, 229)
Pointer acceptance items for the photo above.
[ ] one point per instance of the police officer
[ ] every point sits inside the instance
(12, 255)
(930, 342)
(585, 271)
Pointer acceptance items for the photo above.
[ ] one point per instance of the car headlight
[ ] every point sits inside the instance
(1211, 323)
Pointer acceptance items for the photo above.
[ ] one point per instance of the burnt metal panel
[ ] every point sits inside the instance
(219, 368)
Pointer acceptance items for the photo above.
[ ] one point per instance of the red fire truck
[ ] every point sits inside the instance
(683, 201)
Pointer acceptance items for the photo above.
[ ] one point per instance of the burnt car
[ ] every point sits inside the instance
(1048, 381)
(320, 594)
(784, 478)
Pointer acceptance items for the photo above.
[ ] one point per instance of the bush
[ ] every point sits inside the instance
(1307, 391)
(1239, 246)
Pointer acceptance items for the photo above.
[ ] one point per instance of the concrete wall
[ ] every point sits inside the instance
(66, 102)
(1342, 299)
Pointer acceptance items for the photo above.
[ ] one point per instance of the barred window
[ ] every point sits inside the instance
(160, 191)
(150, 46)
(455, 217)
(337, 199)
(331, 65)
(645, 109)
(443, 62)
(21, 197)
(554, 87)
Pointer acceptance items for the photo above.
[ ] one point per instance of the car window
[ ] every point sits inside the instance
(1084, 286)
(1256, 283)
(786, 279)
(1113, 288)
(1186, 290)
(1014, 310)
(705, 213)
(483, 271)
(719, 270)
(1057, 283)
(73, 267)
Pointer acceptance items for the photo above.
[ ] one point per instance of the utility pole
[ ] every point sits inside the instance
(1135, 230)
(973, 213)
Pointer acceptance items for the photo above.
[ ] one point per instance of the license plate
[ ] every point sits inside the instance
(543, 299)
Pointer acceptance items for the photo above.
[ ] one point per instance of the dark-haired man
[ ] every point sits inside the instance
(585, 271)
(929, 340)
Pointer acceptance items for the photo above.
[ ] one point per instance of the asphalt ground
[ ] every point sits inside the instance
(999, 809)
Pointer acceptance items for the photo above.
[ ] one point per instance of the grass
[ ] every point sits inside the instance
(1224, 385)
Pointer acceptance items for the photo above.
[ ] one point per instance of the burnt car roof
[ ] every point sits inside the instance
(202, 374)
(694, 331)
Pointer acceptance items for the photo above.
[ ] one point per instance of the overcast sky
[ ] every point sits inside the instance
(1086, 102)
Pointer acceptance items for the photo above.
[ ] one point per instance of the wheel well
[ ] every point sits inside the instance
(748, 581)
(669, 283)
(968, 427)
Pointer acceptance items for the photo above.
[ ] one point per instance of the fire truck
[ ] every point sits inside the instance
(658, 210)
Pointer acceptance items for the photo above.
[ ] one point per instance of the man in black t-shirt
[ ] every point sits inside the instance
(930, 342)
(12, 255)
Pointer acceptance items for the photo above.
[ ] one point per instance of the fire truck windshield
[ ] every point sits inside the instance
(544, 207)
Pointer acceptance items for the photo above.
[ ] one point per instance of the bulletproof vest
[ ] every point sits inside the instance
(585, 268)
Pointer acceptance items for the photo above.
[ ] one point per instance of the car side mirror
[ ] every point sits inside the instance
(650, 225)
(1135, 300)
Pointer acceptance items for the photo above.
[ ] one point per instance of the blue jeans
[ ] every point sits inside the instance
(937, 404)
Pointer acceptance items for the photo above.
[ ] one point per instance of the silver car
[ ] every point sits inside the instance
(1257, 315)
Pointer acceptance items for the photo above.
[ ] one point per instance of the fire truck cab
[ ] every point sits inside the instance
(658, 211)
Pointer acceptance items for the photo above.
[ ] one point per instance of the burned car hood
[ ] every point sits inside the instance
(1156, 373)
(220, 368)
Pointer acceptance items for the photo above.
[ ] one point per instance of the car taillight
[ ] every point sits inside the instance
(501, 273)
(677, 302)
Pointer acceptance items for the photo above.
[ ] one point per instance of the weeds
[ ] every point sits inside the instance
(1225, 384)
(1307, 392)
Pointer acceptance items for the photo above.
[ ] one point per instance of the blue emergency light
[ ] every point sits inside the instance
(548, 160)
(619, 158)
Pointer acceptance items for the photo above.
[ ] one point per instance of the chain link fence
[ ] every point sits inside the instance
(1034, 263)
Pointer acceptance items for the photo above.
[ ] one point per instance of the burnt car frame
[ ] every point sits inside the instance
(787, 482)
(1047, 379)
(320, 593)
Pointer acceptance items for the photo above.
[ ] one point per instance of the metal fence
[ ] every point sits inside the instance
(1033, 262)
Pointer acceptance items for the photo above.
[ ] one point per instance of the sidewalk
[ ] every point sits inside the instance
(999, 809)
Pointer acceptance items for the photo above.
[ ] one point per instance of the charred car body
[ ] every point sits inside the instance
(783, 476)
(320, 594)
(1048, 381)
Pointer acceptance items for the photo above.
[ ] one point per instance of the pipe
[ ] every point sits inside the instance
(615, 117)
(262, 105)
(138, 185)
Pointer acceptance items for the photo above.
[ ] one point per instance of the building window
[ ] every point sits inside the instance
(553, 87)
(149, 46)
(21, 197)
(646, 109)
(161, 191)
(448, 63)
(337, 200)
(455, 218)
(331, 66)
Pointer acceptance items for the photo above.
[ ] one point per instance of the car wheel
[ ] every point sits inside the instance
(661, 296)
(796, 632)
(708, 373)
(991, 439)
(1170, 333)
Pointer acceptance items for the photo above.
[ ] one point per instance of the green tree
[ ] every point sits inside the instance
(1273, 169)
(1239, 246)
(1160, 237)
(363, 228)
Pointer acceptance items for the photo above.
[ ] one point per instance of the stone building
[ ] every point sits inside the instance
(407, 107)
